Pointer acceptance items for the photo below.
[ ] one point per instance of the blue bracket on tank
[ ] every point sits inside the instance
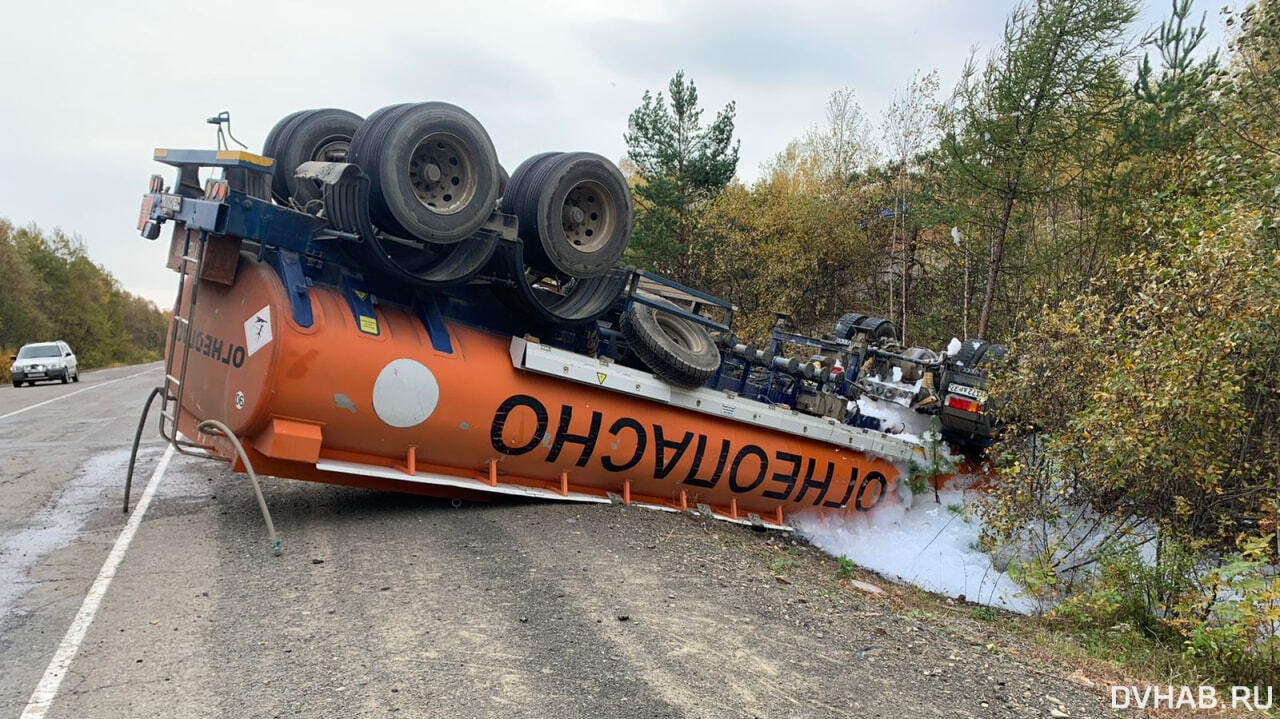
(360, 300)
(428, 312)
(288, 265)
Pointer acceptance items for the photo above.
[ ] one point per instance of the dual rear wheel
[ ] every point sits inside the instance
(574, 210)
(434, 177)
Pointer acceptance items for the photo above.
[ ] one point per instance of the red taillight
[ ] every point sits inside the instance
(965, 404)
(215, 190)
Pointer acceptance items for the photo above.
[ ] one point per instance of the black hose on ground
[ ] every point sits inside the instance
(137, 437)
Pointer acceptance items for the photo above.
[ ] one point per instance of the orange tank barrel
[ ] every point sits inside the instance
(363, 397)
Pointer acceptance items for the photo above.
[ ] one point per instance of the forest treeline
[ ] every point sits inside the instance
(53, 291)
(1108, 203)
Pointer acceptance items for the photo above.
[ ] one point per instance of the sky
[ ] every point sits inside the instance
(90, 88)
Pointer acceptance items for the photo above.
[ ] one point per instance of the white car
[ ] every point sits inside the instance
(41, 361)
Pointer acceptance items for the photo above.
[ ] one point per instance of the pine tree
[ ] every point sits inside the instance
(682, 166)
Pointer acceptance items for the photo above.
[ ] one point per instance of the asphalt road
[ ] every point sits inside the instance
(383, 604)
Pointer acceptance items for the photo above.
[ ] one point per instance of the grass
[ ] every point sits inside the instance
(983, 613)
(847, 567)
(782, 565)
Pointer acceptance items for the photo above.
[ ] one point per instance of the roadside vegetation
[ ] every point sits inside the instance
(1104, 199)
(53, 291)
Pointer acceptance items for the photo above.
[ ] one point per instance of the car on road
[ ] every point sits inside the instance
(40, 361)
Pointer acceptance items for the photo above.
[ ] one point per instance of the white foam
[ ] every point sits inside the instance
(932, 545)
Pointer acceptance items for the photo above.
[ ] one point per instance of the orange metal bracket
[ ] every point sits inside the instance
(410, 461)
(290, 439)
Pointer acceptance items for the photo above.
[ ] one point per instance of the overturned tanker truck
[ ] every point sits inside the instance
(374, 302)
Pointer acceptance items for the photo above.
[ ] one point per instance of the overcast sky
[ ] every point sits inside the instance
(90, 88)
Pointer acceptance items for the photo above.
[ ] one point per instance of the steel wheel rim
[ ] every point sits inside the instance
(675, 329)
(442, 173)
(588, 216)
(332, 149)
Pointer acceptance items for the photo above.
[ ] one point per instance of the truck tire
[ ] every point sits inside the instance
(432, 169)
(521, 182)
(675, 349)
(877, 328)
(847, 326)
(271, 148)
(970, 354)
(575, 213)
(323, 135)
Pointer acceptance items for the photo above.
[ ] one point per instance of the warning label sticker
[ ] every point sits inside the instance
(257, 330)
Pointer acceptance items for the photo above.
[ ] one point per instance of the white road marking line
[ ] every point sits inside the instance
(72, 394)
(43, 696)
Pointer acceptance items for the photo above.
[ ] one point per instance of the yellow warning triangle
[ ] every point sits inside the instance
(361, 294)
(600, 376)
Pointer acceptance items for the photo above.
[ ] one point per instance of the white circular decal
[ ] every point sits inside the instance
(405, 393)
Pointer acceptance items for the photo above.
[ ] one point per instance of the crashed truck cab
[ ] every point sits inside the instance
(390, 310)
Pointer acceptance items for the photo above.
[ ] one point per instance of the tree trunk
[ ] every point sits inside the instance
(909, 244)
(997, 255)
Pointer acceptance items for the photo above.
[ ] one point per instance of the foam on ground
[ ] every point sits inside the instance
(913, 539)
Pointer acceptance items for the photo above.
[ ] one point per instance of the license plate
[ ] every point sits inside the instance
(145, 213)
(172, 203)
(35, 374)
(967, 391)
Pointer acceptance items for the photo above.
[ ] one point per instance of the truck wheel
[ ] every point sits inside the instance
(879, 328)
(271, 148)
(433, 171)
(323, 135)
(847, 326)
(970, 353)
(521, 183)
(575, 213)
(675, 349)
